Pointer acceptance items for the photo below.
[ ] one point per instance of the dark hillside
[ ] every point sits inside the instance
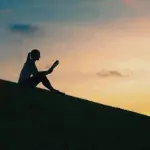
(36, 119)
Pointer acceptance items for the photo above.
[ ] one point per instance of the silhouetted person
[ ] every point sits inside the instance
(30, 76)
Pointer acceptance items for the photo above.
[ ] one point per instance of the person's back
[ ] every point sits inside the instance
(28, 69)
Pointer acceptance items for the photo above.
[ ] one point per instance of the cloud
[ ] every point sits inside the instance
(23, 28)
(5, 11)
(110, 73)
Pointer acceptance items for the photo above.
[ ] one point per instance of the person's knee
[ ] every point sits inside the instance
(43, 78)
(40, 76)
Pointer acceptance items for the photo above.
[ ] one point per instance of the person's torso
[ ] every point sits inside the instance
(27, 70)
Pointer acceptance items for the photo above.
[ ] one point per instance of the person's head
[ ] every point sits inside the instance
(35, 54)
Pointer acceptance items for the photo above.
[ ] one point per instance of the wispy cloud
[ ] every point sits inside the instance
(5, 11)
(110, 73)
(23, 28)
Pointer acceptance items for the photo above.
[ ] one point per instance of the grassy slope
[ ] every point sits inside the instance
(35, 119)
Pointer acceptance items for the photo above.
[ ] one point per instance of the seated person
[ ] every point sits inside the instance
(30, 76)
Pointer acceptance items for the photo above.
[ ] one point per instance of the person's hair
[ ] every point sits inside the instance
(34, 52)
(28, 57)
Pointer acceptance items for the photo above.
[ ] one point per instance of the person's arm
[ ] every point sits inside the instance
(52, 67)
(35, 71)
(47, 72)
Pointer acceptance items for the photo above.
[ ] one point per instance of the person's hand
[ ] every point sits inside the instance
(53, 66)
(56, 62)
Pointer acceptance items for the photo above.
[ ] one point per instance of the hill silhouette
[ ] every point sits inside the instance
(36, 119)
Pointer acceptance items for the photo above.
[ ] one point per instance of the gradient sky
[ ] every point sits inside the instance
(103, 47)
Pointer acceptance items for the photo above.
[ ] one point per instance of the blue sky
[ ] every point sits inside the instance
(35, 12)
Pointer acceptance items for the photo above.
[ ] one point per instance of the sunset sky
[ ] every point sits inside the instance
(103, 47)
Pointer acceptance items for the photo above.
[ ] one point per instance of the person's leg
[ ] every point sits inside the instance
(36, 79)
(41, 77)
(46, 83)
(30, 82)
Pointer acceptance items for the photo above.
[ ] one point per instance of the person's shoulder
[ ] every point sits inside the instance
(30, 61)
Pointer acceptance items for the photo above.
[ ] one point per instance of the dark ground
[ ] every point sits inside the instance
(35, 119)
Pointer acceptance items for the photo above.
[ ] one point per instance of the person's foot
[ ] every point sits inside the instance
(57, 91)
(54, 90)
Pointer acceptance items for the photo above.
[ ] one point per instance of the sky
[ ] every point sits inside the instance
(103, 47)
